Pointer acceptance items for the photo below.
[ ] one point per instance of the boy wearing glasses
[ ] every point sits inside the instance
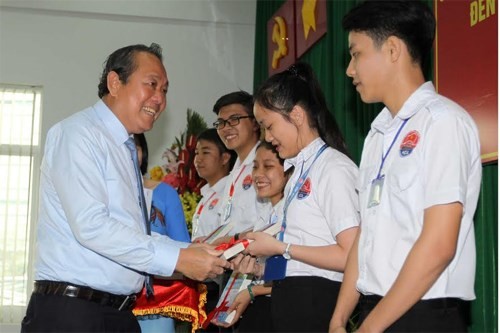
(240, 132)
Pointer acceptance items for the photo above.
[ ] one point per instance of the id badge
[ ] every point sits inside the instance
(275, 268)
(227, 210)
(376, 191)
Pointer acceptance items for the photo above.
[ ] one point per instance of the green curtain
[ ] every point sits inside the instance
(329, 58)
(484, 312)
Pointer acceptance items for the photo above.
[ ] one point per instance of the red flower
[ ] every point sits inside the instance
(172, 180)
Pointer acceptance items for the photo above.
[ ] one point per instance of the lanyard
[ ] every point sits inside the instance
(231, 190)
(296, 187)
(384, 156)
(273, 217)
(229, 204)
(198, 213)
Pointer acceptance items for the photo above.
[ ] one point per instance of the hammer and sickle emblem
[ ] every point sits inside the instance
(279, 37)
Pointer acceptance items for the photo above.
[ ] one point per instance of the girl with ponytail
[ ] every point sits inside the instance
(321, 218)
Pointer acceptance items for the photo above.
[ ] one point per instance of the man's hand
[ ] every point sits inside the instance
(199, 239)
(201, 262)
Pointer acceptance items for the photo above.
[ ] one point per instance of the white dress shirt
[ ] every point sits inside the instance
(90, 228)
(435, 160)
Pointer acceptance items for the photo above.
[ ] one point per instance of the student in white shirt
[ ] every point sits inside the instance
(412, 265)
(254, 304)
(320, 212)
(240, 132)
(212, 161)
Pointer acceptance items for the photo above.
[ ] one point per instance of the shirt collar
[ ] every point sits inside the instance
(248, 160)
(384, 121)
(305, 154)
(115, 128)
(218, 187)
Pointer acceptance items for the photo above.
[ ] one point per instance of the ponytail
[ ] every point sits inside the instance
(299, 86)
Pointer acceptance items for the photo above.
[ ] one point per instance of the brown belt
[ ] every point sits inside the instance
(119, 302)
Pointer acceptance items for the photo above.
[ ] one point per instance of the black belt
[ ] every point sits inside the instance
(119, 302)
(433, 303)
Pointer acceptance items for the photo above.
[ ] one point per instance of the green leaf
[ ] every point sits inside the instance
(195, 123)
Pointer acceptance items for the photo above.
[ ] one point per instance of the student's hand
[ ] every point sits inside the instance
(239, 305)
(249, 265)
(264, 245)
(236, 261)
(199, 262)
(364, 329)
(338, 329)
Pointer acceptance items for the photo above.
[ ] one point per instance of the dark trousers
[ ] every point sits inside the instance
(303, 303)
(257, 316)
(435, 315)
(51, 313)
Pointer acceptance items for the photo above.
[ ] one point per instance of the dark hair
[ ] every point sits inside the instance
(269, 146)
(298, 86)
(211, 135)
(140, 141)
(411, 21)
(122, 61)
(238, 97)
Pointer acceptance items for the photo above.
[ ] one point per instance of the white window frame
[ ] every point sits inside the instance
(11, 314)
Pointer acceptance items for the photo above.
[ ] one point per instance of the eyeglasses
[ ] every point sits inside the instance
(231, 121)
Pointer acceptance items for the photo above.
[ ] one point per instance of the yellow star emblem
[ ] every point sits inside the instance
(308, 17)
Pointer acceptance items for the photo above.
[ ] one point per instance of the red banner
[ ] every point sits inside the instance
(467, 63)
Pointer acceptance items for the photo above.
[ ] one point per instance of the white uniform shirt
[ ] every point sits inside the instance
(269, 214)
(245, 206)
(435, 160)
(326, 204)
(208, 218)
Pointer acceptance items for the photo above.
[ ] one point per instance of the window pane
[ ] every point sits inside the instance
(19, 137)
(14, 228)
(17, 117)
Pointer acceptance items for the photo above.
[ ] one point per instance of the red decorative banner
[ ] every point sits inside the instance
(311, 23)
(281, 38)
(467, 63)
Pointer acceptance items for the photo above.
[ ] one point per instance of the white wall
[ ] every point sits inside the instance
(61, 45)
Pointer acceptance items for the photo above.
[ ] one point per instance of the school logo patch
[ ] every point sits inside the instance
(213, 203)
(304, 190)
(409, 143)
(247, 182)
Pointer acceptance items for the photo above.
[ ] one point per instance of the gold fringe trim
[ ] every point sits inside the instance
(180, 312)
(202, 289)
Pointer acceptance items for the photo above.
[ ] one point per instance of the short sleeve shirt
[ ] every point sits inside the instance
(207, 216)
(325, 205)
(245, 205)
(435, 160)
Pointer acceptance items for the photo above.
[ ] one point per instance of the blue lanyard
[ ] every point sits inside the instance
(296, 188)
(384, 156)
